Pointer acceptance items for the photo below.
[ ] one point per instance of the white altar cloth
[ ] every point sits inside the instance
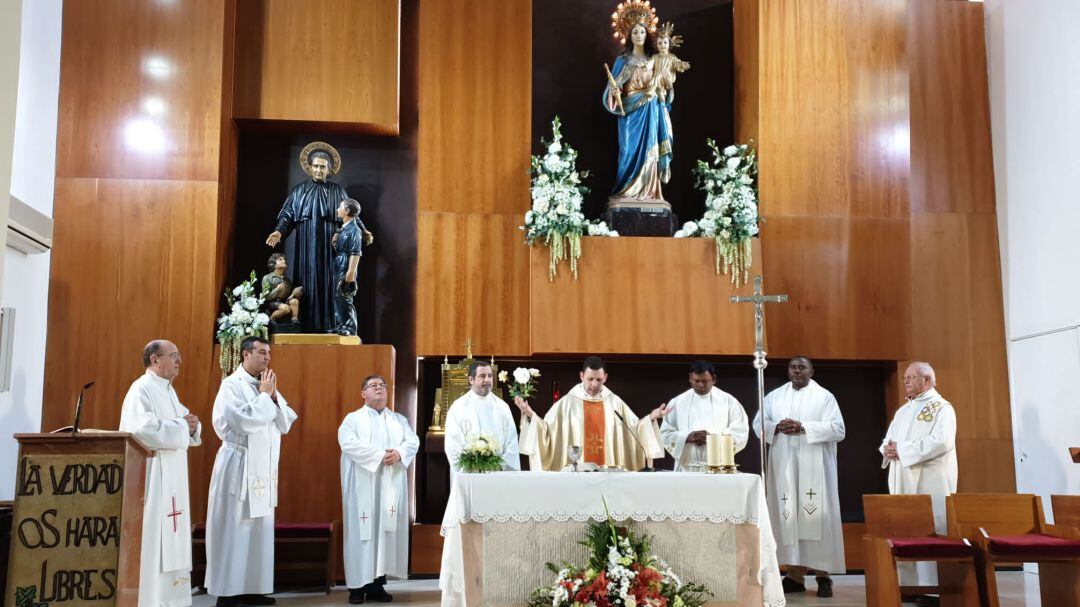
(531, 497)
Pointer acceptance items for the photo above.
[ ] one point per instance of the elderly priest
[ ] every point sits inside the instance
(593, 418)
(377, 446)
(153, 413)
(920, 452)
(803, 425)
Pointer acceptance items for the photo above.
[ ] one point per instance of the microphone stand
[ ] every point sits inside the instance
(633, 435)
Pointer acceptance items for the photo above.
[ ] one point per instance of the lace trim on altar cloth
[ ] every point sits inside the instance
(563, 517)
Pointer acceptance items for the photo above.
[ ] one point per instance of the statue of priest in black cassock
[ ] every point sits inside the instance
(311, 212)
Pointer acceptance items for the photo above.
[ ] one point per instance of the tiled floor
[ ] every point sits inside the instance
(1015, 588)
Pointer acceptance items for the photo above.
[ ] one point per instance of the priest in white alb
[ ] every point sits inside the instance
(377, 447)
(594, 419)
(480, 411)
(250, 415)
(920, 452)
(803, 425)
(702, 410)
(153, 413)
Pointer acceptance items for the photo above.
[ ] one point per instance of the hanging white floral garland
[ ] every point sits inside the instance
(556, 218)
(731, 208)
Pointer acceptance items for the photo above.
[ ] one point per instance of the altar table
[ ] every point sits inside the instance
(501, 528)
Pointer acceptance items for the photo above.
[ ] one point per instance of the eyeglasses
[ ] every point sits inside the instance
(375, 385)
(172, 355)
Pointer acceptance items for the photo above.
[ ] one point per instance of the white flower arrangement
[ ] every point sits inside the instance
(556, 218)
(524, 384)
(243, 319)
(481, 453)
(731, 207)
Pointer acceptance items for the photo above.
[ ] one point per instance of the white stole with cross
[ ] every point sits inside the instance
(387, 435)
(800, 516)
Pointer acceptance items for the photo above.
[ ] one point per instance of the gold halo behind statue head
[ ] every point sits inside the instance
(319, 146)
(630, 13)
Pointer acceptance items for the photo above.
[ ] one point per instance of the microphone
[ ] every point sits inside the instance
(633, 435)
(74, 428)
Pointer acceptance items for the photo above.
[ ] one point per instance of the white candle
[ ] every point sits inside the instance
(712, 450)
(727, 450)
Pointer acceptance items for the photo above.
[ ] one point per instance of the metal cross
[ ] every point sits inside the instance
(175, 513)
(759, 300)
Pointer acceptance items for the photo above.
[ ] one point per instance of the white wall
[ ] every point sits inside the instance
(26, 277)
(1033, 52)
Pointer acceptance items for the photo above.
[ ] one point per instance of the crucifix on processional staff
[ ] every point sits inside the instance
(759, 300)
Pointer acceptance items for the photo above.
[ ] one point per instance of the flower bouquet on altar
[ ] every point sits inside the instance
(621, 573)
(524, 384)
(482, 453)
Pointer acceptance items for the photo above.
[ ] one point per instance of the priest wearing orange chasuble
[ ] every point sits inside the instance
(589, 417)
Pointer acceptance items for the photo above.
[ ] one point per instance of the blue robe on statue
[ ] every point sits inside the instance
(644, 131)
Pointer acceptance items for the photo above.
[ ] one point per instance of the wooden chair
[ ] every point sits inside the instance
(900, 528)
(1010, 528)
(1066, 515)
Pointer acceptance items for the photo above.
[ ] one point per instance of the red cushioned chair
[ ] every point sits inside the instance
(900, 528)
(1010, 528)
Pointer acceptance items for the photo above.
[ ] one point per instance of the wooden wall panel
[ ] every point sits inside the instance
(958, 326)
(957, 316)
(747, 69)
(629, 299)
(136, 228)
(833, 108)
(475, 104)
(318, 60)
(140, 86)
(473, 283)
(952, 163)
(833, 176)
(848, 283)
(473, 180)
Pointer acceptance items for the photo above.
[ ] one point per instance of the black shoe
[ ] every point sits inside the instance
(378, 594)
(791, 585)
(824, 587)
(257, 599)
(927, 600)
(356, 596)
(228, 601)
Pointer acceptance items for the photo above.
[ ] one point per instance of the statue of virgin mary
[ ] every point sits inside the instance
(633, 96)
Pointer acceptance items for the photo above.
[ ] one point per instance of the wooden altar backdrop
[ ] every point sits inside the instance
(876, 182)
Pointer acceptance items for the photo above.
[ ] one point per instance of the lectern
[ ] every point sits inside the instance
(77, 527)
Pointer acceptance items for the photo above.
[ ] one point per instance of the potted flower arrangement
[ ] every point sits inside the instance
(243, 319)
(555, 218)
(731, 207)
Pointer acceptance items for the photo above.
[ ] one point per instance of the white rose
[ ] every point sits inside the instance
(562, 209)
(250, 303)
(534, 372)
(555, 147)
(503, 375)
(543, 178)
(262, 319)
(680, 234)
(690, 227)
(528, 216)
(238, 290)
(733, 163)
(731, 150)
(521, 375)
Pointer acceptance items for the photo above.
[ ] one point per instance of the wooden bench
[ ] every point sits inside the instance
(305, 555)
